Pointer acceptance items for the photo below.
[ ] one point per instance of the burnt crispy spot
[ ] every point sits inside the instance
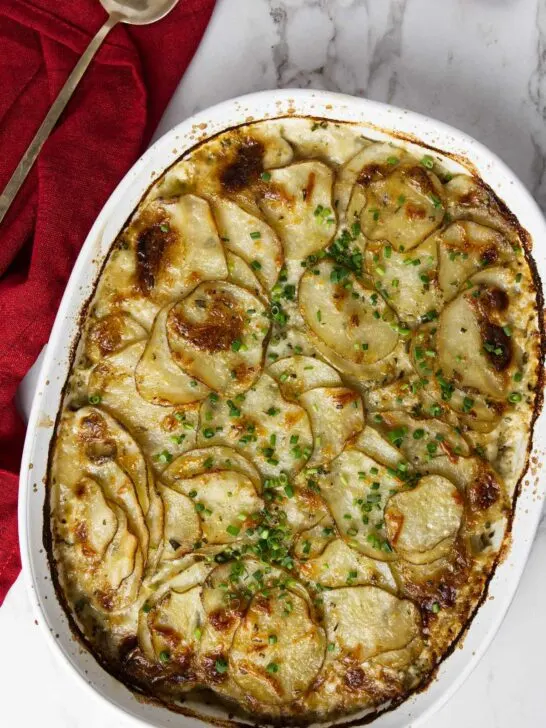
(92, 427)
(208, 665)
(100, 451)
(484, 492)
(420, 180)
(354, 678)
(245, 168)
(151, 243)
(106, 334)
(223, 323)
(370, 173)
(494, 299)
(490, 255)
(222, 619)
(497, 346)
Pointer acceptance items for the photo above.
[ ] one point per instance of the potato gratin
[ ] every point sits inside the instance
(295, 424)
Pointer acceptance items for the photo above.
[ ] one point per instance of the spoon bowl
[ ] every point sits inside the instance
(138, 12)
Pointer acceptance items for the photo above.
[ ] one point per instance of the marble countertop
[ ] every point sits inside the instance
(479, 65)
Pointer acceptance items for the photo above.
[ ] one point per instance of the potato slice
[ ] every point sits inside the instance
(408, 279)
(419, 440)
(356, 324)
(93, 443)
(182, 526)
(464, 248)
(176, 246)
(178, 576)
(224, 500)
(216, 335)
(469, 199)
(336, 142)
(356, 492)
(88, 519)
(226, 595)
(376, 447)
(418, 521)
(404, 201)
(297, 374)
(158, 378)
(261, 425)
(367, 621)
(173, 625)
(339, 566)
(336, 416)
(99, 552)
(163, 432)
(251, 239)
(279, 670)
(112, 333)
(207, 459)
(298, 205)
(169, 247)
(461, 341)
(346, 183)
(242, 275)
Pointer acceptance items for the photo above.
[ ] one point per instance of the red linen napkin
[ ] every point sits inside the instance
(106, 126)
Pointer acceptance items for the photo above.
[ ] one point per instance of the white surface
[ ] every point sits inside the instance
(463, 62)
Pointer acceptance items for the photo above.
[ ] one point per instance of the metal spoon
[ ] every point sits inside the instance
(133, 12)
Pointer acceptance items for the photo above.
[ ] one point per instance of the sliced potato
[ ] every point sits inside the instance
(338, 565)
(251, 239)
(158, 378)
(391, 196)
(408, 279)
(464, 248)
(263, 426)
(346, 183)
(112, 333)
(193, 256)
(419, 440)
(95, 444)
(298, 205)
(173, 625)
(242, 275)
(336, 416)
(421, 519)
(327, 139)
(280, 671)
(356, 493)
(162, 431)
(226, 595)
(297, 374)
(361, 329)
(224, 500)
(182, 526)
(207, 459)
(366, 621)
(404, 202)
(462, 339)
(311, 543)
(169, 247)
(216, 335)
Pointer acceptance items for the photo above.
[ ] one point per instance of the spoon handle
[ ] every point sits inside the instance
(29, 157)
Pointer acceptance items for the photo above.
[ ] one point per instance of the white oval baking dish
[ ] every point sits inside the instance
(385, 122)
